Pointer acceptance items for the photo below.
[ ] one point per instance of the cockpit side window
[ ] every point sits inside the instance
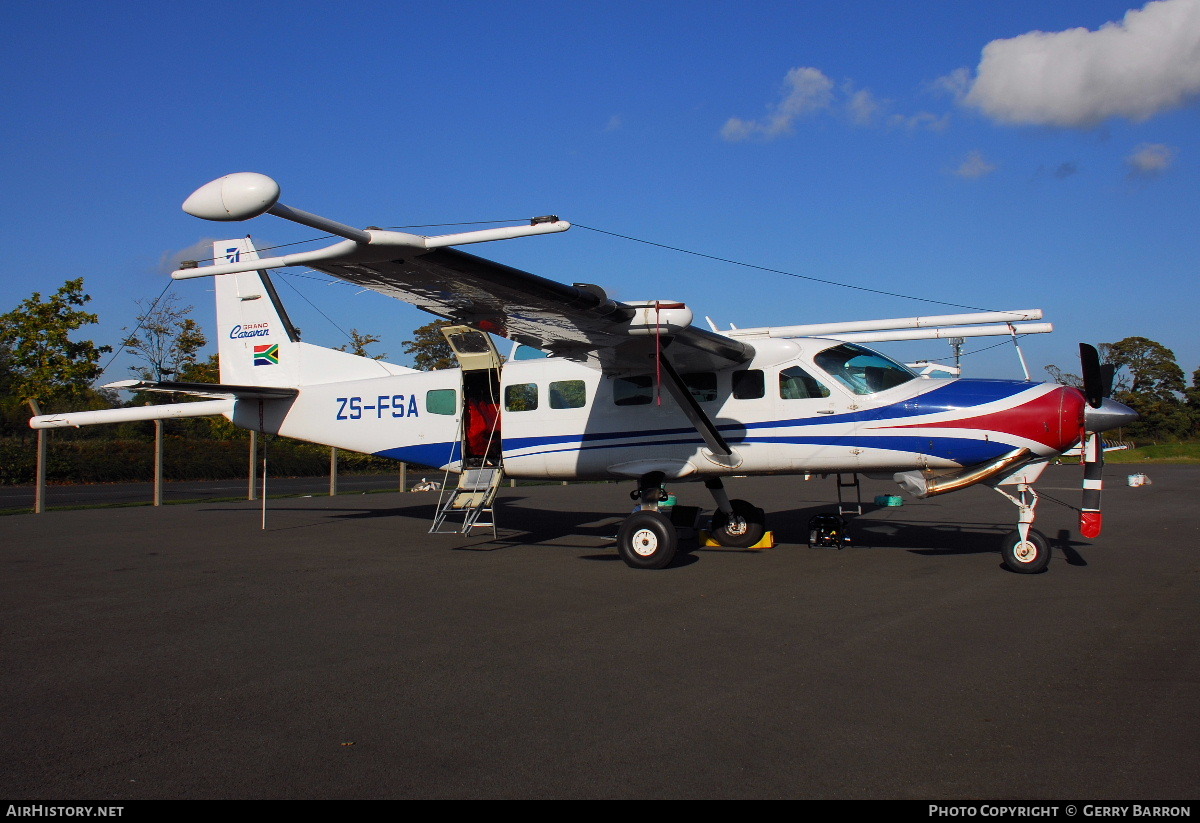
(797, 384)
(862, 370)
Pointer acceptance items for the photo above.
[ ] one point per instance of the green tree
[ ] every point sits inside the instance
(1144, 367)
(1150, 382)
(166, 339)
(358, 345)
(41, 360)
(429, 349)
(1193, 403)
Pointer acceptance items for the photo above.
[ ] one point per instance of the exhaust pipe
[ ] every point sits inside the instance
(920, 486)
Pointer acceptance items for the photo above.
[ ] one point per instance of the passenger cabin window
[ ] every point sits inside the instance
(441, 401)
(702, 385)
(749, 384)
(862, 370)
(633, 391)
(797, 384)
(521, 397)
(568, 394)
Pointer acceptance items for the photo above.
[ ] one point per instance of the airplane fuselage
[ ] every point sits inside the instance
(781, 413)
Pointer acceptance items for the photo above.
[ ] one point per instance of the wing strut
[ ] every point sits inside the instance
(677, 388)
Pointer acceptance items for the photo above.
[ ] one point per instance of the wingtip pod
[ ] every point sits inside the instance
(238, 196)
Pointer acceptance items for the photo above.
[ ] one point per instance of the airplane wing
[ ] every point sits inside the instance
(213, 390)
(577, 321)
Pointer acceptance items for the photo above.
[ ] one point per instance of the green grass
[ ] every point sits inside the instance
(1160, 453)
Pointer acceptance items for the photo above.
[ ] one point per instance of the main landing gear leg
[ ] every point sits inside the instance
(735, 523)
(647, 538)
(1026, 550)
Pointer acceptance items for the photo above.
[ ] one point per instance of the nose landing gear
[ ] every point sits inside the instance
(1025, 551)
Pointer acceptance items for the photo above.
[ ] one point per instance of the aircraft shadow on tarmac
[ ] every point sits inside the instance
(551, 527)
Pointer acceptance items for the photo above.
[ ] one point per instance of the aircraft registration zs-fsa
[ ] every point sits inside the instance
(589, 404)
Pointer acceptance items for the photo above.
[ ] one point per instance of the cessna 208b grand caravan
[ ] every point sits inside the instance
(590, 404)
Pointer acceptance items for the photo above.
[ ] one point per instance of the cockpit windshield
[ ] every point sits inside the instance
(861, 370)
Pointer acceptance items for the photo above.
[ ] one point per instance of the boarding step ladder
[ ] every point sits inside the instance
(849, 508)
(472, 498)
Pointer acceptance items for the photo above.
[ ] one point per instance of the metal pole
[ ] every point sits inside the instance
(333, 471)
(39, 488)
(39, 494)
(403, 477)
(158, 461)
(250, 495)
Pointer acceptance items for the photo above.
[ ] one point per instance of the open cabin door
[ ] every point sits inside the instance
(480, 364)
(482, 467)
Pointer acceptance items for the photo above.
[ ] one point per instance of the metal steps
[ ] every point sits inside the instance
(472, 498)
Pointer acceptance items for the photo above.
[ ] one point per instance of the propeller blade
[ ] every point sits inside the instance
(1093, 378)
(1091, 519)
(1107, 372)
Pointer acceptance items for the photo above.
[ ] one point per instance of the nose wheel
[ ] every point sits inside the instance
(1026, 550)
(1026, 555)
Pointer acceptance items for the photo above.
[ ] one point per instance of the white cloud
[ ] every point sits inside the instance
(864, 107)
(920, 120)
(974, 166)
(613, 123)
(957, 83)
(1150, 159)
(1146, 64)
(805, 90)
(808, 90)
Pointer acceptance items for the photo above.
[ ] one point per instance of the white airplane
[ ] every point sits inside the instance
(599, 389)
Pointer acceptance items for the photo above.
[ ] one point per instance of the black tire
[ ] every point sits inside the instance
(1027, 558)
(745, 529)
(647, 540)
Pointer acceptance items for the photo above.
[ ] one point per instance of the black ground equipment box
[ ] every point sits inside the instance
(827, 531)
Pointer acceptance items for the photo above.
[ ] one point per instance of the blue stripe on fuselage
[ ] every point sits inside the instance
(427, 454)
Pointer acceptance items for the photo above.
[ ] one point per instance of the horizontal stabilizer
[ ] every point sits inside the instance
(206, 389)
(167, 411)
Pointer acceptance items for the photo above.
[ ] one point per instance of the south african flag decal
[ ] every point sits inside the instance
(266, 355)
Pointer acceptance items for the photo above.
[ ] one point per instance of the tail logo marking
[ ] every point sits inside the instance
(266, 355)
(251, 330)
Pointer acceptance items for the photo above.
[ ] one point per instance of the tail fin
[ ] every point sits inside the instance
(257, 343)
(256, 338)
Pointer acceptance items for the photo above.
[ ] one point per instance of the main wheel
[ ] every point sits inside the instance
(647, 540)
(1026, 556)
(741, 531)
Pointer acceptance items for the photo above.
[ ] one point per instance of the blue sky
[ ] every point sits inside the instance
(869, 143)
